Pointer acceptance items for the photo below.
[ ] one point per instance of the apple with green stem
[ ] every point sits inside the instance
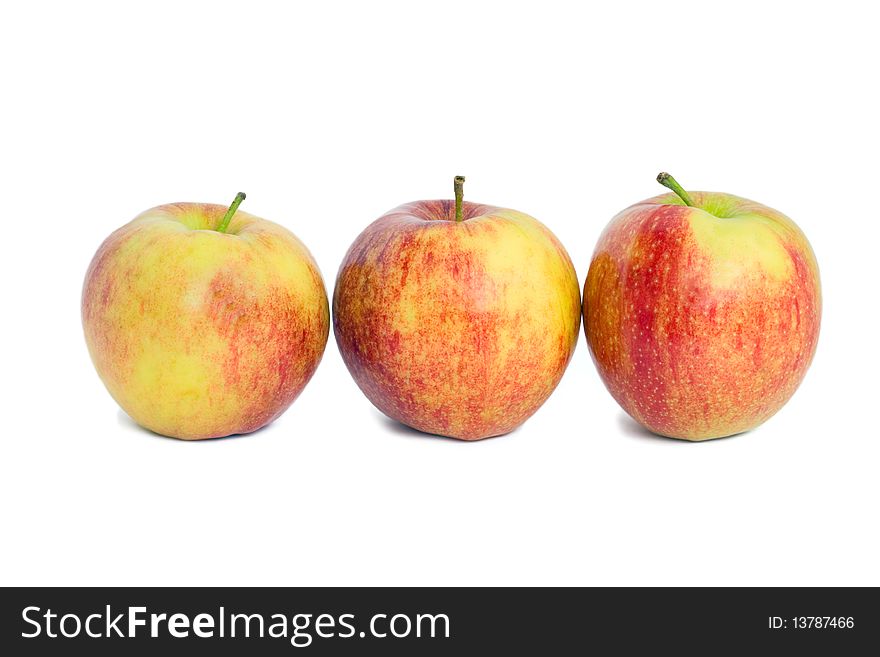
(203, 321)
(702, 311)
(456, 318)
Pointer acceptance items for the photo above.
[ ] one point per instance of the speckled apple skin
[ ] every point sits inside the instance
(461, 329)
(200, 334)
(702, 321)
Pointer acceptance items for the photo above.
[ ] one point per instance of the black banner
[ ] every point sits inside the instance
(407, 621)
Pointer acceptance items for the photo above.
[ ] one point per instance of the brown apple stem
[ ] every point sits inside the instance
(224, 222)
(668, 181)
(459, 197)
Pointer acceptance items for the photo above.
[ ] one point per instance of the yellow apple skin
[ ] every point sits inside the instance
(461, 329)
(202, 334)
(703, 320)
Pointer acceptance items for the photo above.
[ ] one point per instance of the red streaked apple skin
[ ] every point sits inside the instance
(201, 334)
(461, 329)
(702, 326)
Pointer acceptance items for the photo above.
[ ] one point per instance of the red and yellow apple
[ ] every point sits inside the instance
(702, 312)
(202, 321)
(457, 318)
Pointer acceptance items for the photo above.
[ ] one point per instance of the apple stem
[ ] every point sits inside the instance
(224, 222)
(668, 181)
(459, 197)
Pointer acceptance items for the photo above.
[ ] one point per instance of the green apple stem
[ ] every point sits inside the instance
(459, 197)
(668, 181)
(224, 222)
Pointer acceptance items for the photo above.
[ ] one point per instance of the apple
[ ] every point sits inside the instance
(456, 318)
(701, 311)
(202, 321)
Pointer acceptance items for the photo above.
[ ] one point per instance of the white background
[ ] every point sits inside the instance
(327, 115)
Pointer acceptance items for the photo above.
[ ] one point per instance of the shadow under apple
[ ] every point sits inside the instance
(123, 420)
(401, 429)
(633, 429)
